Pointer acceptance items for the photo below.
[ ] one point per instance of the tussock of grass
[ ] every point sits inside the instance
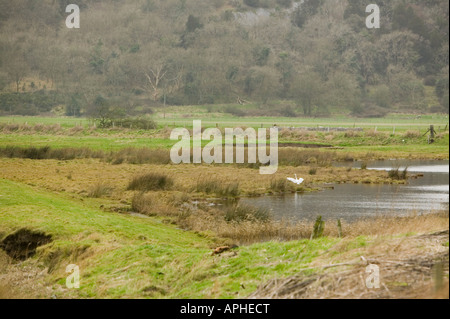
(99, 190)
(151, 204)
(279, 185)
(398, 174)
(218, 187)
(150, 182)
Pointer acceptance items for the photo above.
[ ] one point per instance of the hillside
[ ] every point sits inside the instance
(316, 56)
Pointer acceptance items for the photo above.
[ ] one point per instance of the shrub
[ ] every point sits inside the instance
(30, 153)
(252, 3)
(137, 123)
(397, 174)
(288, 111)
(49, 153)
(132, 123)
(150, 182)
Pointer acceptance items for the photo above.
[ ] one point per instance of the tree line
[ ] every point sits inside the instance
(128, 57)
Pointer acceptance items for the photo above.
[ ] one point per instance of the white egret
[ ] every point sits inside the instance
(296, 180)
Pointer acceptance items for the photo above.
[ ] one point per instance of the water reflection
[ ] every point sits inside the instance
(351, 202)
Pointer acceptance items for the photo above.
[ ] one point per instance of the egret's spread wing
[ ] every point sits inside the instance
(292, 180)
(301, 180)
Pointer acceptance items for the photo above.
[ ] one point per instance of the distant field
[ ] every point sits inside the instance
(95, 143)
(384, 124)
(183, 117)
(176, 116)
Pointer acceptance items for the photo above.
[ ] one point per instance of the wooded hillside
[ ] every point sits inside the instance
(129, 56)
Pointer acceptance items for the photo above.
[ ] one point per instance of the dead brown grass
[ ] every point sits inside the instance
(407, 270)
(31, 129)
(18, 281)
(100, 189)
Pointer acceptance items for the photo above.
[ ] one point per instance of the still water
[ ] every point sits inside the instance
(354, 201)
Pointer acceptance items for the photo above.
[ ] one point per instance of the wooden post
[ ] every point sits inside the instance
(432, 134)
(339, 225)
(319, 227)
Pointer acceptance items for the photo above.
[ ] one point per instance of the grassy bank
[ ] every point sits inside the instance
(136, 257)
(125, 256)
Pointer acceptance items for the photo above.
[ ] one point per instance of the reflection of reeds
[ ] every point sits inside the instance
(241, 213)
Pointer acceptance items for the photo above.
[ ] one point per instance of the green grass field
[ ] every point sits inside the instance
(105, 143)
(183, 117)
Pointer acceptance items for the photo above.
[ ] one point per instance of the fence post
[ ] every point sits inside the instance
(339, 225)
(319, 227)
